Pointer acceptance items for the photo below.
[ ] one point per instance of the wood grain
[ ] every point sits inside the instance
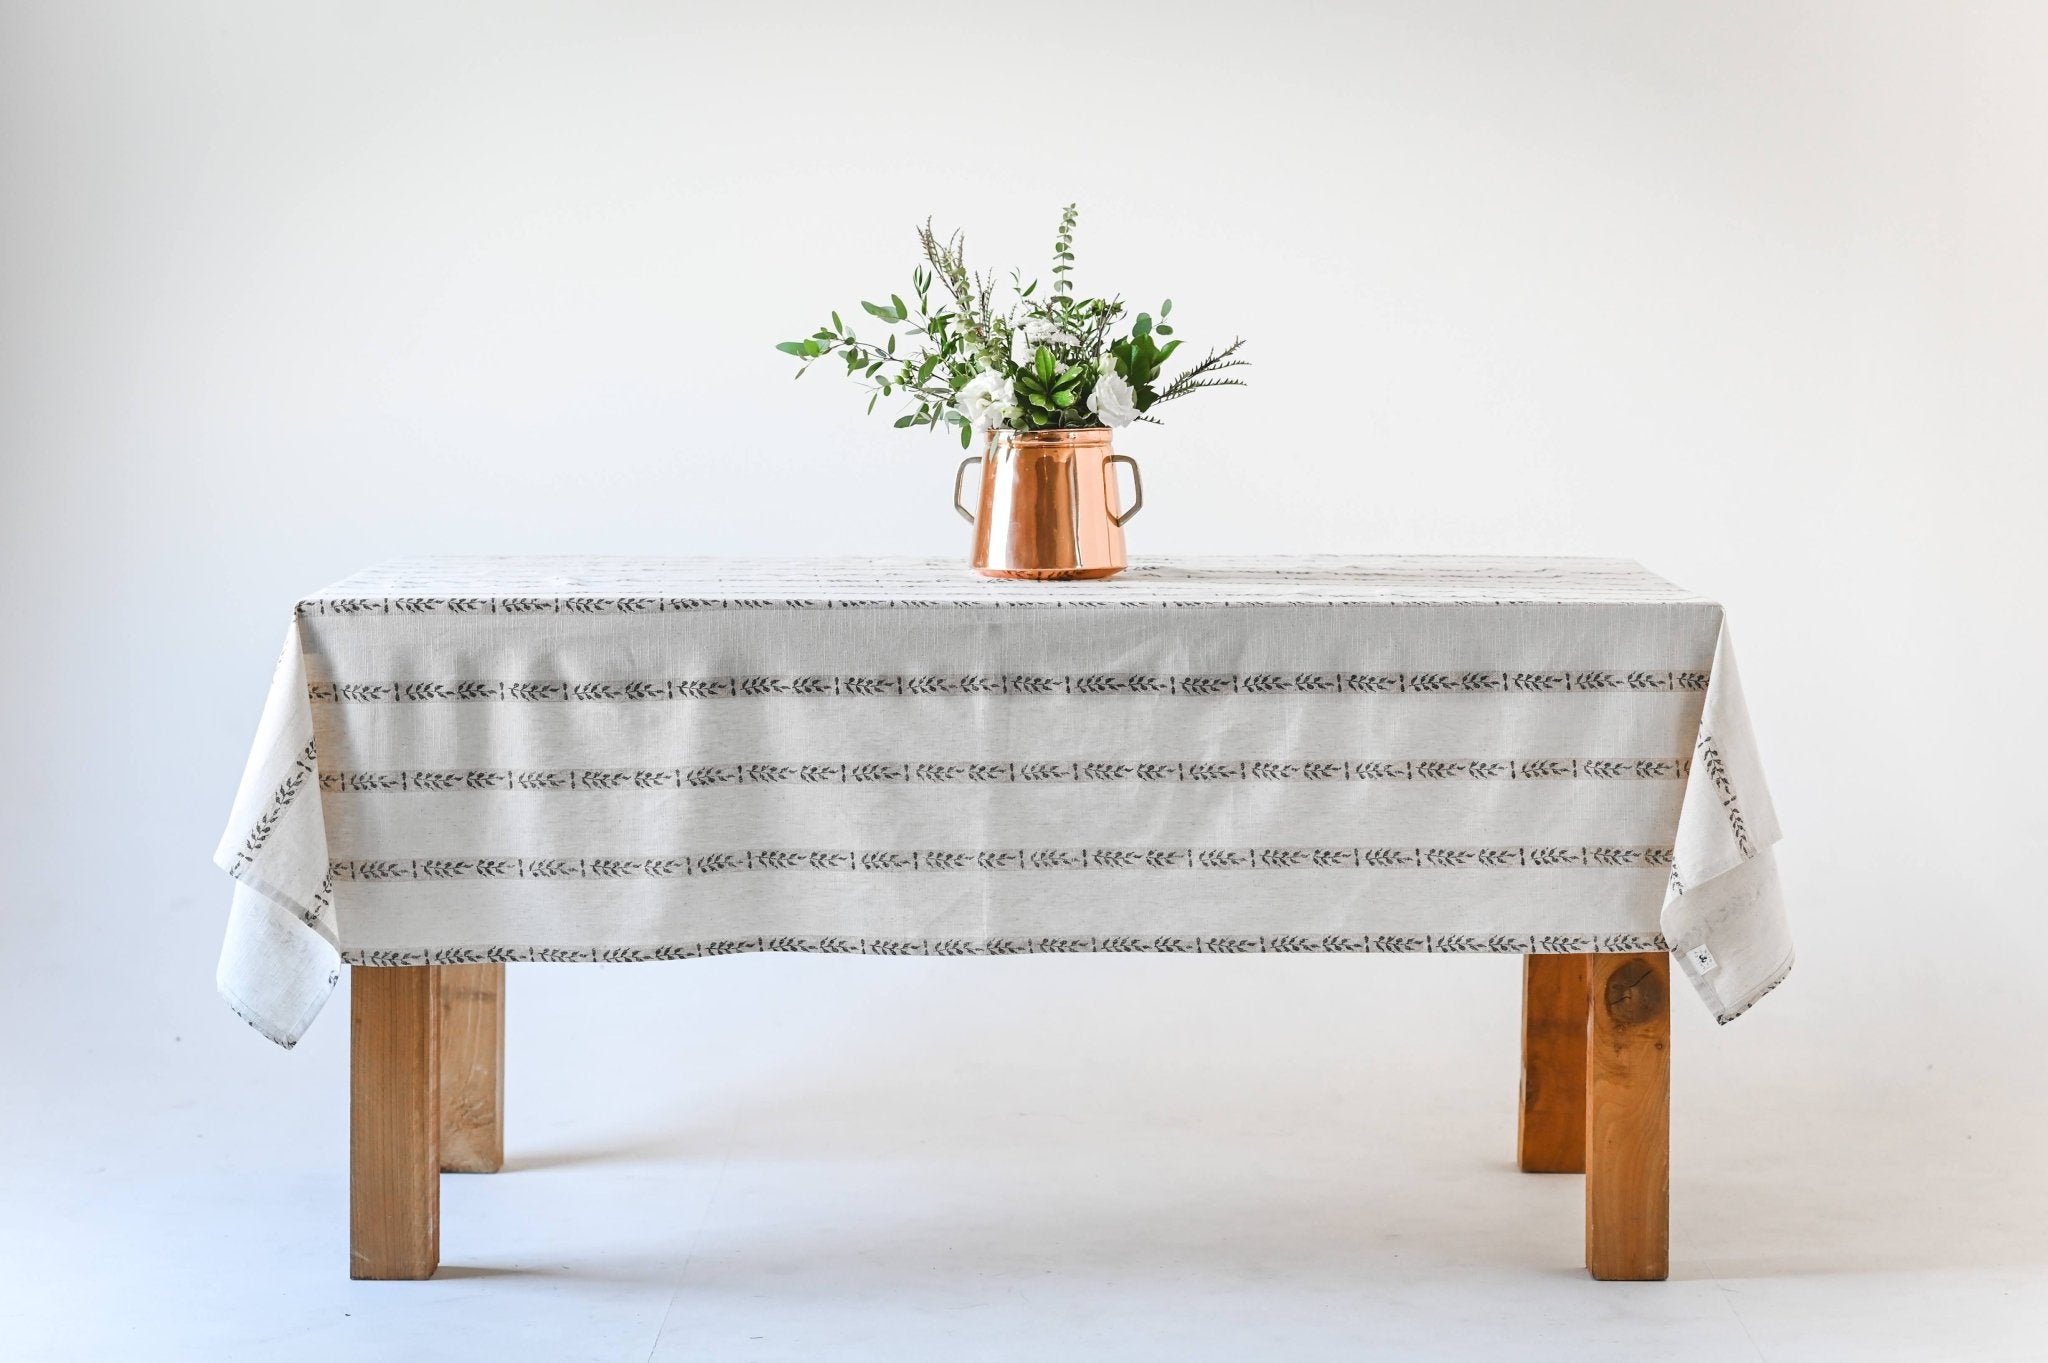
(1628, 1118)
(1550, 1137)
(394, 1179)
(472, 1069)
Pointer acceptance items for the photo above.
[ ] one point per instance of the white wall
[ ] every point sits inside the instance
(1757, 293)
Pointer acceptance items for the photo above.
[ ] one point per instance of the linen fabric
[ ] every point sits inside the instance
(517, 759)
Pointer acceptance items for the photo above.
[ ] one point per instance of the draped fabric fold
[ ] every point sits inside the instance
(1723, 914)
(279, 962)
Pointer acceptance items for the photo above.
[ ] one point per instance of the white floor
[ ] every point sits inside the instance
(1098, 1158)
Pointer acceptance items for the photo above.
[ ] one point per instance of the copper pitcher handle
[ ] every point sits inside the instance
(959, 474)
(1137, 486)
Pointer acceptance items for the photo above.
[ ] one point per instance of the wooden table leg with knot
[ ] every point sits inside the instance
(1628, 1117)
(1596, 1098)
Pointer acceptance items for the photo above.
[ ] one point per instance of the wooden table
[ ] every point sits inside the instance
(427, 1070)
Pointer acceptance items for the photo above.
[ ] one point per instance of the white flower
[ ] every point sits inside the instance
(1022, 349)
(986, 398)
(1045, 333)
(1113, 402)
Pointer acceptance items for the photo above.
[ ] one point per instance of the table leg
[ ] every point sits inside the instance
(472, 1069)
(394, 1180)
(1628, 1117)
(1550, 1137)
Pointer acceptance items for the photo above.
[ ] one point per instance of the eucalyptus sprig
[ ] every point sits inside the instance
(1048, 361)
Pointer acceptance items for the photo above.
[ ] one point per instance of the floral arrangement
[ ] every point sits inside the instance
(1049, 361)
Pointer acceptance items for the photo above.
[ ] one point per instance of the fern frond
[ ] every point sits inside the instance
(970, 293)
(1180, 389)
(1203, 375)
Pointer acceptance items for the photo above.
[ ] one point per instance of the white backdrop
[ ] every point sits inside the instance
(1756, 293)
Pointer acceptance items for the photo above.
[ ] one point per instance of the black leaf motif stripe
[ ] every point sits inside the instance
(1302, 595)
(323, 898)
(1717, 772)
(1021, 684)
(1000, 859)
(1502, 943)
(1001, 773)
(303, 766)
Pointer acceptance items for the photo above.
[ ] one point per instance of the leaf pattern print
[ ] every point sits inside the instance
(1266, 683)
(1716, 769)
(997, 859)
(1398, 943)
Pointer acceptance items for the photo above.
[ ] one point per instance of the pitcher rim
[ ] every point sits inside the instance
(1072, 435)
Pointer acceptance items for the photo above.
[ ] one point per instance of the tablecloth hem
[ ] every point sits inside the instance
(309, 916)
(256, 1023)
(1777, 977)
(276, 971)
(1721, 928)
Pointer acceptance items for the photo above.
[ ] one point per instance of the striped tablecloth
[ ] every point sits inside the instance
(522, 759)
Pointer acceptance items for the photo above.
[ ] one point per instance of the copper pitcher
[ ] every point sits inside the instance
(1049, 505)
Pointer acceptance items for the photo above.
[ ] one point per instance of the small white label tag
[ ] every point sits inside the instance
(1702, 960)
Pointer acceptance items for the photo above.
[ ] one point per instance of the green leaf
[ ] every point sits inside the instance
(966, 433)
(1166, 307)
(904, 422)
(837, 325)
(1163, 329)
(877, 310)
(1044, 363)
(1143, 326)
(800, 349)
(897, 302)
(873, 398)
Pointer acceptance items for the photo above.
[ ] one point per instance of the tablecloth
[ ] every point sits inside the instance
(624, 759)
